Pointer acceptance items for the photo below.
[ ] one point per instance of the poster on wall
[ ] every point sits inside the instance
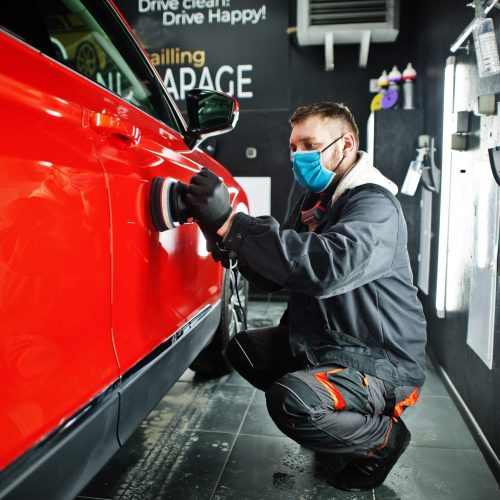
(237, 46)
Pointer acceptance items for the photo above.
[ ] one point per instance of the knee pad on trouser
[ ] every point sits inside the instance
(290, 403)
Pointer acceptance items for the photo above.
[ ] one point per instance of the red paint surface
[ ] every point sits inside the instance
(87, 286)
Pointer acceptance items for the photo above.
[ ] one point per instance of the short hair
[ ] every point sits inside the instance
(326, 109)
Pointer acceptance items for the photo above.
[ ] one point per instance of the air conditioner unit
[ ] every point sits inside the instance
(342, 22)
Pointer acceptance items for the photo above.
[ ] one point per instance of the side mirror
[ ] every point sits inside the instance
(209, 113)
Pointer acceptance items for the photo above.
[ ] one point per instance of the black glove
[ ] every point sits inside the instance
(208, 201)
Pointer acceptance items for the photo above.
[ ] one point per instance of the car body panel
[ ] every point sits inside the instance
(161, 280)
(90, 292)
(56, 351)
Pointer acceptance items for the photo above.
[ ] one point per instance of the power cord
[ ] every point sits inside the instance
(242, 309)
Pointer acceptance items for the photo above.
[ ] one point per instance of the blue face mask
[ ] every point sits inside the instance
(309, 172)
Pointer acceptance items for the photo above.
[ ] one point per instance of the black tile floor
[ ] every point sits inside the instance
(214, 440)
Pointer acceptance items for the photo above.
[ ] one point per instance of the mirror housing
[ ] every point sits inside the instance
(209, 113)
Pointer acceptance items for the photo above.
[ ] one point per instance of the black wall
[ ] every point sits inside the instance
(308, 82)
(477, 384)
(396, 134)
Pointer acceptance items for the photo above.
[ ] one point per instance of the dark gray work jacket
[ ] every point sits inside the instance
(351, 297)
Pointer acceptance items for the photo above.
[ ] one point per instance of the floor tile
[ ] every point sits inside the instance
(433, 385)
(431, 473)
(206, 406)
(259, 422)
(151, 457)
(265, 467)
(435, 422)
(261, 313)
(186, 465)
(259, 398)
(188, 376)
(234, 378)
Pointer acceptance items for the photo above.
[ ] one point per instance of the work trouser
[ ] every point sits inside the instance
(329, 408)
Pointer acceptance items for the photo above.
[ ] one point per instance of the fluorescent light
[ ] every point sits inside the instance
(444, 214)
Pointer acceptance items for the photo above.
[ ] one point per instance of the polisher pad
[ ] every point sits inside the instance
(167, 200)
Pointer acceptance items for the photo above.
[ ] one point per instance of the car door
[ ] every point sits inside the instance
(159, 281)
(56, 350)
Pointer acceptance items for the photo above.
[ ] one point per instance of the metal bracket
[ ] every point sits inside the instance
(431, 174)
(465, 47)
(364, 48)
(482, 8)
(329, 60)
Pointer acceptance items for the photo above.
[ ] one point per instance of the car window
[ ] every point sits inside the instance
(84, 36)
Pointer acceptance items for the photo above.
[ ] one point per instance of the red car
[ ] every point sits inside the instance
(100, 313)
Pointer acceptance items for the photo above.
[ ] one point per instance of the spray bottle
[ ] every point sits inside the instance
(409, 77)
(485, 43)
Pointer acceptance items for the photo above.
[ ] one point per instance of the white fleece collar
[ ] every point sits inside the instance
(363, 172)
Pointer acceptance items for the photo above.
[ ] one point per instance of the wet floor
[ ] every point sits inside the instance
(213, 439)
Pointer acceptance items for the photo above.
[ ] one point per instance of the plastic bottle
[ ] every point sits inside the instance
(409, 77)
(383, 83)
(485, 43)
(394, 77)
(391, 97)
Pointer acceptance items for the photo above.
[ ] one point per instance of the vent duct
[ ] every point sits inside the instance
(346, 22)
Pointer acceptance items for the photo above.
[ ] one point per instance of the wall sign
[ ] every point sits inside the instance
(237, 46)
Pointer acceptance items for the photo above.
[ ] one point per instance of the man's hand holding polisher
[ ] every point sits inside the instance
(207, 199)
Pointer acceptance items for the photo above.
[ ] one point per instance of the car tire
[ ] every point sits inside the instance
(212, 360)
(86, 59)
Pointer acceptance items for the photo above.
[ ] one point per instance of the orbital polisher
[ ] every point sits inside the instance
(168, 203)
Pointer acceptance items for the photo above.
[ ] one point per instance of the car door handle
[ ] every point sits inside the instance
(111, 125)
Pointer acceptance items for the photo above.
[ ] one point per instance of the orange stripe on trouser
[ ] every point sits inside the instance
(338, 399)
(409, 401)
(398, 409)
(370, 453)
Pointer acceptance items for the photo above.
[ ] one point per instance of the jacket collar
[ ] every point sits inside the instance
(363, 172)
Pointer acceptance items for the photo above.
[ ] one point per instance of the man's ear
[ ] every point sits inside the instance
(349, 144)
